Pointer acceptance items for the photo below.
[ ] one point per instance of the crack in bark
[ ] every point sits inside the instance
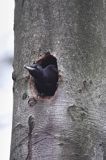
(31, 126)
(48, 134)
(19, 144)
(23, 1)
(39, 140)
(18, 126)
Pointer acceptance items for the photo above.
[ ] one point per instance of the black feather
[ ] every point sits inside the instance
(46, 79)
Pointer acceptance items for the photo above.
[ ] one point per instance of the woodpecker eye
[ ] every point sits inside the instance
(37, 67)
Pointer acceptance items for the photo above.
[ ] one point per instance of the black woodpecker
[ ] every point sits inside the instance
(45, 78)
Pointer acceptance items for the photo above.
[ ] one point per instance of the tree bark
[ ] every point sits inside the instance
(71, 124)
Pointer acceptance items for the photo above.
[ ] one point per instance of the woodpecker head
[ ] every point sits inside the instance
(35, 70)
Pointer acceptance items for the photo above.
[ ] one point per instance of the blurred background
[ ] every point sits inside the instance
(6, 58)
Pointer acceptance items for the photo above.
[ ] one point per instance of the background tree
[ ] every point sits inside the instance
(71, 124)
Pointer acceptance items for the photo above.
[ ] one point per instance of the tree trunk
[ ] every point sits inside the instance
(71, 124)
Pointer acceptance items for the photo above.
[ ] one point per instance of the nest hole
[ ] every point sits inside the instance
(46, 61)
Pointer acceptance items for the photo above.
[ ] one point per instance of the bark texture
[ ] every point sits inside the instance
(72, 124)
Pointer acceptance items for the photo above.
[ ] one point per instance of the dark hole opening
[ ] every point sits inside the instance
(48, 59)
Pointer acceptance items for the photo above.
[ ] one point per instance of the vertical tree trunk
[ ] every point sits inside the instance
(71, 124)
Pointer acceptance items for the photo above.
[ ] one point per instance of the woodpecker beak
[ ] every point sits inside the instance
(29, 68)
